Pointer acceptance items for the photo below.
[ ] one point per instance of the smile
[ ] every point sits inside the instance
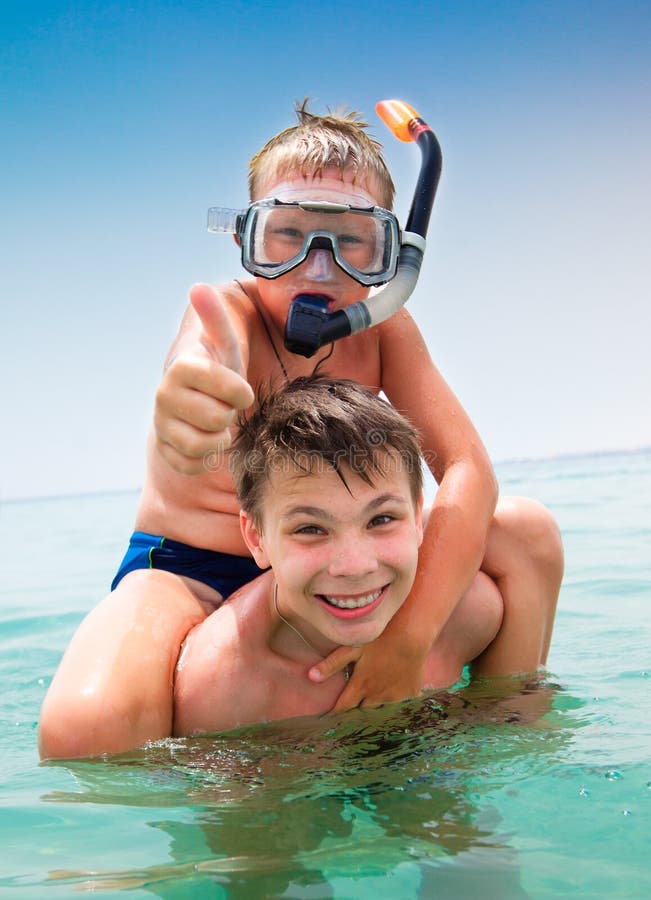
(352, 606)
(352, 602)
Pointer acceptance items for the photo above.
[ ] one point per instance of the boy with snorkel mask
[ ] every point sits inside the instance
(187, 554)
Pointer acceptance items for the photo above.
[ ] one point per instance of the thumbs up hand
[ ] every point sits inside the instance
(203, 387)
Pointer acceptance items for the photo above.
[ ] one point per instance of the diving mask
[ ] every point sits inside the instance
(276, 236)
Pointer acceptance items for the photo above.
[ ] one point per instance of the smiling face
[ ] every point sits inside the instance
(344, 559)
(319, 274)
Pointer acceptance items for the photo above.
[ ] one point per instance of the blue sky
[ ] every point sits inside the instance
(122, 123)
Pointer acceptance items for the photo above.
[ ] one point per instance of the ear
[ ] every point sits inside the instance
(419, 518)
(253, 540)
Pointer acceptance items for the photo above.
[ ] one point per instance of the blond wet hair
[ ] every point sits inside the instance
(337, 140)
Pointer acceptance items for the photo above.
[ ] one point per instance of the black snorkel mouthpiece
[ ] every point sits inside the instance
(309, 324)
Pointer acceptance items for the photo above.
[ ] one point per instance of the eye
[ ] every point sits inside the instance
(283, 235)
(382, 519)
(309, 530)
(350, 239)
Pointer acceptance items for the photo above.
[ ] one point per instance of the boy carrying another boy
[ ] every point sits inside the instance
(330, 484)
(113, 689)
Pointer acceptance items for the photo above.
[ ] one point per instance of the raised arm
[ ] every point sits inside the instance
(204, 384)
(455, 537)
(460, 517)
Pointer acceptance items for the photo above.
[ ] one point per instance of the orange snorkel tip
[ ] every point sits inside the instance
(401, 118)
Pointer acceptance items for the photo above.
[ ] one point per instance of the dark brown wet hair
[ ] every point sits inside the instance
(317, 424)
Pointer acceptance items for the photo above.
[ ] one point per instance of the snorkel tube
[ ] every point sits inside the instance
(309, 324)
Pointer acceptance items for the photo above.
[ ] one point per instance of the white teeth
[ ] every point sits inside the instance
(353, 602)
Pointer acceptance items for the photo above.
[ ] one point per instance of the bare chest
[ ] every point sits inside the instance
(356, 358)
(276, 694)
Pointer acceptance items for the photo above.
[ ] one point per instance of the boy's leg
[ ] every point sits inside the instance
(468, 632)
(113, 690)
(524, 556)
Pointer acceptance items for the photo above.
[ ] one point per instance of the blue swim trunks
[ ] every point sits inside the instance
(222, 571)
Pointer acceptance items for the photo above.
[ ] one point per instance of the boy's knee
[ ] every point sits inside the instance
(531, 525)
(70, 724)
(85, 723)
(68, 727)
(485, 605)
(475, 622)
(113, 688)
(160, 598)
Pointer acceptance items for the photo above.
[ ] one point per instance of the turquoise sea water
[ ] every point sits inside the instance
(461, 796)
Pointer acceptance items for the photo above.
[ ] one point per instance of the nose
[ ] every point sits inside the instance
(353, 558)
(319, 265)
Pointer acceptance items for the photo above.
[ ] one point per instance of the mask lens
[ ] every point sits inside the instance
(279, 236)
(360, 240)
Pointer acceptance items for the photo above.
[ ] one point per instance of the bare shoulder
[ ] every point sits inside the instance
(240, 311)
(416, 387)
(399, 324)
(209, 649)
(407, 366)
(213, 687)
(207, 669)
(239, 298)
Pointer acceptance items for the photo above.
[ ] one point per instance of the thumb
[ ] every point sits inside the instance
(218, 337)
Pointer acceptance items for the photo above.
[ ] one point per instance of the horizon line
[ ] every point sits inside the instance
(578, 454)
